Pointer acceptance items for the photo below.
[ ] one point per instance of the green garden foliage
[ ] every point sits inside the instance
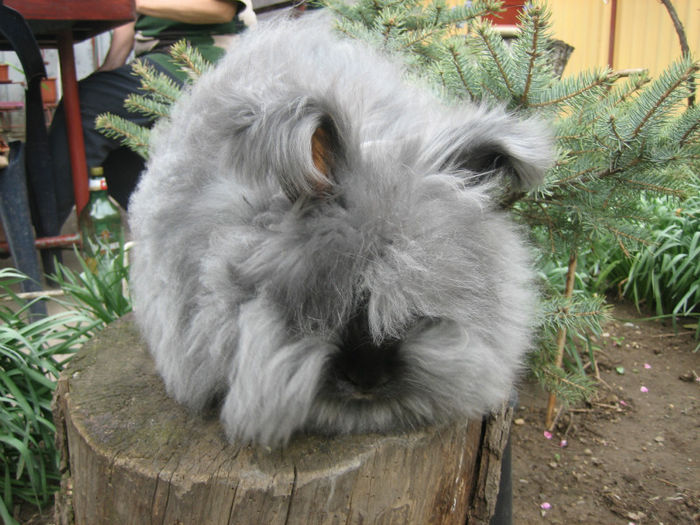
(663, 276)
(32, 354)
(666, 274)
(102, 293)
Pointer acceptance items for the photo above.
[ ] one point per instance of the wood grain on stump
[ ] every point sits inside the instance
(131, 455)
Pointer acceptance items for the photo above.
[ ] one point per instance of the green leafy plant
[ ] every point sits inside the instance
(666, 274)
(663, 275)
(102, 291)
(32, 354)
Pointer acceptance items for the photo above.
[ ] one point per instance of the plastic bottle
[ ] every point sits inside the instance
(100, 220)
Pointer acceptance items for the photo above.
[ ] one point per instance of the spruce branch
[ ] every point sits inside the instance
(685, 129)
(436, 20)
(497, 53)
(160, 86)
(567, 386)
(636, 81)
(146, 106)
(189, 59)
(654, 188)
(620, 235)
(572, 89)
(528, 80)
(671, 82)
(456, 60)
(529, 47)
(158, 93)
(132, 135)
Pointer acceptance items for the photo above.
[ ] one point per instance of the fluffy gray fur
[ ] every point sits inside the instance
(251, 263)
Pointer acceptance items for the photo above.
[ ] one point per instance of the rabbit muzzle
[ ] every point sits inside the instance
(365, 368)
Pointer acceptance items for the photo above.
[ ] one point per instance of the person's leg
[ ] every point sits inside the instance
(101, 92)
(123, 169)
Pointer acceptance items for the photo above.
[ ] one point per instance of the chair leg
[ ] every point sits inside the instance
(17, 222)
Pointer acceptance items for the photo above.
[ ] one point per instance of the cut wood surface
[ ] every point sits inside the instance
(131, 455)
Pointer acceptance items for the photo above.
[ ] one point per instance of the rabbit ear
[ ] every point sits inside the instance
(495, 148)
(293, 144)
(310, 166)
(323, 151)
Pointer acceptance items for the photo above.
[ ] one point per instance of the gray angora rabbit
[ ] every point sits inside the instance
(319, 246)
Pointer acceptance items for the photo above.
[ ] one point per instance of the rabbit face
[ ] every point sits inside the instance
(319, 243)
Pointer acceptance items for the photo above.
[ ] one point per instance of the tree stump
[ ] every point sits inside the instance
(131, 455)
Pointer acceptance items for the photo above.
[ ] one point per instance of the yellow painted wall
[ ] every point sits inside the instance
(645, 36)
(585, 25)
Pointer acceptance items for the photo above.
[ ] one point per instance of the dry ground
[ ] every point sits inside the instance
(632, 455)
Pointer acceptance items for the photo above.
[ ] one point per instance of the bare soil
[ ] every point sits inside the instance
(629, 456)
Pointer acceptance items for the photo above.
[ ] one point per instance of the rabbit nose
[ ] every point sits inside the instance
(362, 362)
(368, 366)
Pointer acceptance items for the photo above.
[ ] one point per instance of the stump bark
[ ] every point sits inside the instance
(130, 454)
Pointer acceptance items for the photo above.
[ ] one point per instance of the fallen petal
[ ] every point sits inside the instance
(647, 366)
(547, 434)
(546, 506)
(563, 443)
(644, 389)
